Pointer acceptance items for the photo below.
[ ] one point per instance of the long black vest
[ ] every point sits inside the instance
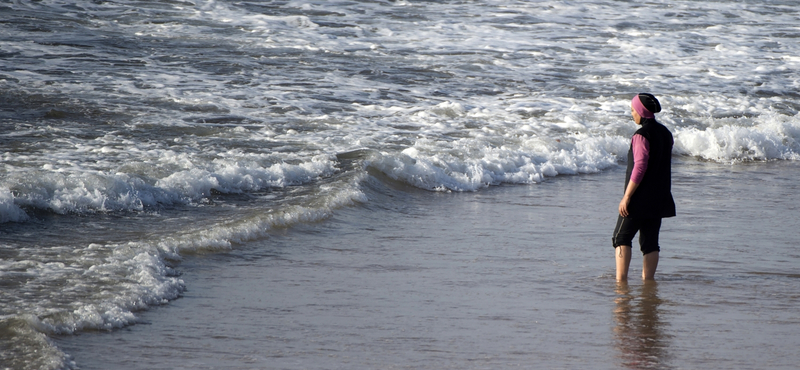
(653, 197)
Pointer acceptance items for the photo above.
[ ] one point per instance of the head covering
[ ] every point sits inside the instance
(637, 105)
(646, 105)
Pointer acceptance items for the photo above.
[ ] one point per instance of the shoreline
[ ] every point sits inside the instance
(486, 279)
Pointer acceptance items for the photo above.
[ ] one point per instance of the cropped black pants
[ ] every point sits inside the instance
(647, 228)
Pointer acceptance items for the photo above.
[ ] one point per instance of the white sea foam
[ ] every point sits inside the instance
(108, 283)
(222, 235)
(68, 190)
(147, 281)
(700, 62)
(10, 212)
(94, 287)
(472, 164)
(775, 137)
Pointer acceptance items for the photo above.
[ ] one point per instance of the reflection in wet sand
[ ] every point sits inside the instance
(639, 332)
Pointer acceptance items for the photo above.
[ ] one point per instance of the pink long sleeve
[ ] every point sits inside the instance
(641, 153)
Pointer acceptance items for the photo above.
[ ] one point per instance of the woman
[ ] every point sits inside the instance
(647, 197)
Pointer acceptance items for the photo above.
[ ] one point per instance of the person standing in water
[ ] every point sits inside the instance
(648, 197)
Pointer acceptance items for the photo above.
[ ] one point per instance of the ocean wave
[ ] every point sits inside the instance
(472, 164)
(79, 191)
(9, 211)
(223, 235)
(106, 284)
(515, 156)
(771, 137)
(99, 287)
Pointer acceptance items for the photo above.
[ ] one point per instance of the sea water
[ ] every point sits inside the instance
(509, 277)
(135, 135)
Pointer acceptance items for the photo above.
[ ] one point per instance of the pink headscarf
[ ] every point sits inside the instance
(637, 105)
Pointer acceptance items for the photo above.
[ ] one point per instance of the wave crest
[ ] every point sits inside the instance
(775, 137)
(472, 164)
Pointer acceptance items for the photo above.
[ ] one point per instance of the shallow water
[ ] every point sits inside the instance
(514, 276)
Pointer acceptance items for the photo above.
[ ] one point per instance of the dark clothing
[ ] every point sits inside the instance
(652, 200)
(653, 197)
(648, 229)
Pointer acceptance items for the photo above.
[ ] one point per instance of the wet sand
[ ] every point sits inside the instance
(509, 277)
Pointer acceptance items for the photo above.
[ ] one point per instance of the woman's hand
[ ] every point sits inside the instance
(626, 199)
(623, 206)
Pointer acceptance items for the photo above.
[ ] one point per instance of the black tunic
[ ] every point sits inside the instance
(653, 197)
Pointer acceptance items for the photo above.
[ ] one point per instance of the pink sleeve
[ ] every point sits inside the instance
(641, 153)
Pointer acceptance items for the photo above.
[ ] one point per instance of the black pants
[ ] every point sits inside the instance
(648, 233)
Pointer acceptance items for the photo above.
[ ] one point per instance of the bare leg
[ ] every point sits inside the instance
(623, 256)
(649, 265)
